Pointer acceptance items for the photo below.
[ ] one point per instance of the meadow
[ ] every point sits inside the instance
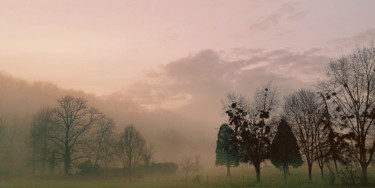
(241, 177)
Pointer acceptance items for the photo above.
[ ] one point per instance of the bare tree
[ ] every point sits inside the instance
(147, 154)
(103, 140)
(130, 148)
(303, 110)
(190, 164)
(41, 145)
(71, 121)
(197, 165)
(351, 82)
(187, 165)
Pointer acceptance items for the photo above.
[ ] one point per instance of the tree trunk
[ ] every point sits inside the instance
(309, 166)
(287, 169)
(285, 166)
(228, 170)
(322, 172)
(67, 159)
(337, 170)
(257, 171)
(67, 163)
(364, 174)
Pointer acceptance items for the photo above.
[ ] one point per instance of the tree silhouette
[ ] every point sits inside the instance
(253, 134)
(70, 123)
(226, 155)
(351, 83)
(40, 144)
(130, 148)
(304, 113)
(284, 148)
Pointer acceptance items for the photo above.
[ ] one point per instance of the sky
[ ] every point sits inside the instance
(182, 56)
(178, 54)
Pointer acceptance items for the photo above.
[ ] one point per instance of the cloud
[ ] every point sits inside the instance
(198, 82)
(285, 12)
(361, 39)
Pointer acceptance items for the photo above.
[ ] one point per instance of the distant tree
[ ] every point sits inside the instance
(197, 164)
(102, 140)
(70, 123)
(284, 148)
(187, 165)
(130, 148)
(251, 128)
(226, 155)
(147, 154)
(40, 143)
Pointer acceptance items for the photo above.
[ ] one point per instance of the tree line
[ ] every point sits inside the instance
(331, 126)
(75, 135)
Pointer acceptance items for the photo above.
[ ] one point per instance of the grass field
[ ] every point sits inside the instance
(271, 177)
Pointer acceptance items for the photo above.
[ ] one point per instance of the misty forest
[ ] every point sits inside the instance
(271, 94)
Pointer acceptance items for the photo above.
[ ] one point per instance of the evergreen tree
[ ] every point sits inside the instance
(284, 148)
(225, 153)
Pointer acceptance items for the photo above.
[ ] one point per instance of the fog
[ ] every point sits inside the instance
(163, 67)
(177, 107)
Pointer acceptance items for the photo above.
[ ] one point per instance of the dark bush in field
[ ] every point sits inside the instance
(164, 168)
(88, 168)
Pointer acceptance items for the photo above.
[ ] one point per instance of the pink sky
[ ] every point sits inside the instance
(180, 55)
(105, 46)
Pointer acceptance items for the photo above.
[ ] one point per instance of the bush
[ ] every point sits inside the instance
(349, 175)
(88, 168)
(164, 168)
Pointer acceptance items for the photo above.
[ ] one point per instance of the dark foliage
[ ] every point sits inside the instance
(284, 148)
(226, 152)
(88, 168)
(253, 135)
(166, 168)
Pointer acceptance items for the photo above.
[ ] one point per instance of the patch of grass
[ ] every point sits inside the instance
(270, 177)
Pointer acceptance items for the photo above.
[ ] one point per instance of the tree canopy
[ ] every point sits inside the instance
(226, 154)
(284, 148)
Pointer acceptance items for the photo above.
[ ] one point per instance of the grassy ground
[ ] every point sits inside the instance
(271, 177)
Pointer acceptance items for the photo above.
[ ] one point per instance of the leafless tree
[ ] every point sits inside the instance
(147, 155)
(351, 83)
(71, 121)
(304, 112)
(41, 145)
(197, 165)
(130, 148)
(102, 140)
(187, 165)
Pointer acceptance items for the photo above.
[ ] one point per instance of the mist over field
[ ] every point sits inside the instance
(187, 93)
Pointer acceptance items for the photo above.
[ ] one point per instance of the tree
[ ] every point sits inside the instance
(304, 112)
(102, 140)
(351, 82)
(250, 127)
(41, 145)
(148, 152)
(70, 123)
(225, 153)
(190, 164)
(186, 165)
(284, 148)
(130, 148)
(337, 149)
